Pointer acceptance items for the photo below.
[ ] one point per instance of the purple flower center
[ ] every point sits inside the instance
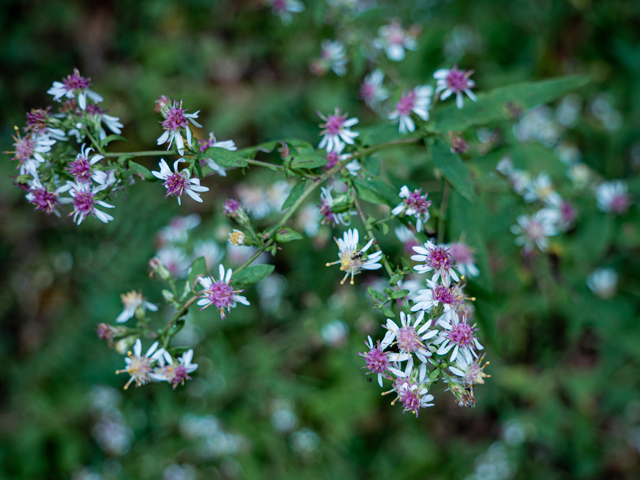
(230, 207)
(25, 147)
(44, 200)
(279, 6)
(80, 168)
(439, 259)
(408, 396)
(444, 295)
(93, 109)
(332, 160)
(408, 339)
(462, 334)
(36, 120)
(406, 104)
(458, 80)
(83, 202)
(334, 124)
(220, 294)
(418, 202)
(568, 212)
(377, 360)
(367, 91)
(461, 253)
(176, 184)
(327, 213)
(205, 143)
(177, 375)
(620, 203)
(535, 230)
(175, 118)
(75, 81)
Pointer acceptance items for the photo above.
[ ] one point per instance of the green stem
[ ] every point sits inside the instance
(93, 140)
(387, 267)
(443, 211)
(259, 163)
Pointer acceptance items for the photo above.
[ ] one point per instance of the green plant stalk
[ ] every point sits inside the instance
(387, 267)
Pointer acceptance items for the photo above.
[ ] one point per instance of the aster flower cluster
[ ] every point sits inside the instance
(435, 338)
(52, 176)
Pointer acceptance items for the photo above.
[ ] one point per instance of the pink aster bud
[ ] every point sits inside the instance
(156, 267)
(231, 207)
(162, 103)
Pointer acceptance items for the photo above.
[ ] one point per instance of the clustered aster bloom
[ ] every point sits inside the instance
(353, 261)
(220, 293)
(80, 168)
(175, 121)
(337, 131)
(416, 101)
(414, 204)
(454, 81)
(74, 86)
(84, 203)
(178, 182)
(441, 336)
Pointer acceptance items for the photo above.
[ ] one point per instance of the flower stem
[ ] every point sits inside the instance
(387, 267)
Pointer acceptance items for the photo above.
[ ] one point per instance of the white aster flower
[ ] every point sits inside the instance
(436, 259)
(535, 230)
(175, 260)
(74, 86)
(459, 336)
(219, 292)
(462, 255)
(613, 196)
(470, 373)
(337, 131)
(174, 373)
(372, 90)
(212, 142)
(133, 301)
(394, 40)
(333, 57)
(417, 101)
(414, 204)
(210, 250)
(176, 120)
(84, 202)
(139, 367)
(178, 182)
(541, 189)
(410, 337)
(351, 259)
(454, 81)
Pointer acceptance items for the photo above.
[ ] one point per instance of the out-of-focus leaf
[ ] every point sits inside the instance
(111, 138)
(252, 274)
(141, 170)
(198, 268)
(308, 161)
(451, 167)
(503, 103)
(368, 194)
(285, 235)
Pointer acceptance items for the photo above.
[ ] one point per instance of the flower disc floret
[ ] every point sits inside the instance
(220, 293)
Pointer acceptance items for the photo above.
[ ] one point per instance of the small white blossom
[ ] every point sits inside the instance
(535, 230)
(417, 101)
(133, 301)
(139, 367)
(178, 182)
(613, 196)
(603, 282)
(337, 131)
(351, 259)
(394, 40)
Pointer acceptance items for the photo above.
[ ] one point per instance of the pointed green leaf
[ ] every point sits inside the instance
(285, 235)
(367, 193)
(295, 193)
(198, 268)
(308, 161)
(451, 167)
(225, 158)
(144, 171)
(176, 328)
(111, 138)
(252, 274)
(503, 103)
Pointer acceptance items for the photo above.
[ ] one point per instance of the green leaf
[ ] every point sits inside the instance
(388, 313)
(111, 138)
(198, 268)
(225, 158)
(144, 171)
(367, 193)
(503, 103)
(285, 235)
(198, 167)
(252, 274)
(295, 193)
(381, 134)
(177, 351)
(399, 294)
(376, 295)
(308, 161)
(451, 167)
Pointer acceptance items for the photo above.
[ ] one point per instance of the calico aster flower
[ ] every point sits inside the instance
(378, 361)
(28, 151)
(454, 81)
(174, 373)
(139, 367)
(613, 197)
(220, 293)
(470, 373)
(100, 116)
(351, 259)
(416, 101)
(394, 40)
(174, 260)
(231, 207)
(414, 204)
(74, 86)
(408, 337)
(541, 189)
(333, 57)
(45, 199)
(372, 90)
(337, 131)
(436, 259)
(178, 183)
(534, 231)
(450, 298)
(333, 158)
(176, 120)
(407, 237)
(208, 249)
(81, 169)
(459, 336)
(84, 202)
(38, 122)
(411, 388)
(462, 255)
(133, 301)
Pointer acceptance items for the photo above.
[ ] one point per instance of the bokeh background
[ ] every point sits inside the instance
(280, 392)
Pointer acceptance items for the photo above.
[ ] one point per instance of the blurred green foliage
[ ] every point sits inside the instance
(564, 363)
